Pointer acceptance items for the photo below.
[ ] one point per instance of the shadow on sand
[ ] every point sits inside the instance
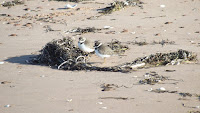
(24, 59)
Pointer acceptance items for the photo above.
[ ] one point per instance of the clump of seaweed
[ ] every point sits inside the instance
(63, 54)
(118, 5)
(84, 30)
(117, 47)
(12, 3)
(70, 0)
(152, 78)
(162, 59)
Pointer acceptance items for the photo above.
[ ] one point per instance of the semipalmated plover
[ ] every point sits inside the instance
(85, 45)
(102, 50)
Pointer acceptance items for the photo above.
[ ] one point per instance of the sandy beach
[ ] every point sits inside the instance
(28, 88)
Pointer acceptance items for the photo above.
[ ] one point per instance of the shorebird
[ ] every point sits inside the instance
(85, 45)
(102, 50)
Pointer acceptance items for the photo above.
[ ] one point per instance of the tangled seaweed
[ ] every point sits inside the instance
(70, 0)
(118, 5)
(163, 59)
(12, 3)
(63, 54)
(84, 30)
(152, 78)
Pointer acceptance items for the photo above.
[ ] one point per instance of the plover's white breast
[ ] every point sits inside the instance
(85, 48)
(101, 55)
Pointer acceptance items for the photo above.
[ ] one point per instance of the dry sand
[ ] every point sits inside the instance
(41, 89)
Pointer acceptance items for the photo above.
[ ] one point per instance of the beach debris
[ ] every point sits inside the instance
(63, 54)
(12, 3)
(83, 30)
(68, 6)
(108, 27)
(70, 0)
(162, 6)
(152, 78)
(109, 87)
(5, 82)
(104, 108)
(100, 103)
(69, 100)
(164, 42)
(168, 22)
(117, 47)
(163, 91)
(117, 98)
(170, 70)
(13, 35)
(193, 111)
(139, 43)
(118, 5)
(1, 62)
(48, 28)
(7, 106)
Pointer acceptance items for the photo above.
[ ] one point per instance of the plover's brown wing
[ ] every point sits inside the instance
(105, 50)
(89, 44)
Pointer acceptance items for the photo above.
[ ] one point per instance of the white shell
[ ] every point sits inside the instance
(68, 6)
(162, 6)
(162, 89)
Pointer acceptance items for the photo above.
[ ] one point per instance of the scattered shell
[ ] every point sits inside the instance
(99, 102)
(162, 6)
(69, 100)
(162, 89)
(42, 76)
(107, 27)
(168, 22)
(27, 9)
(68, 6)
(150, 89)
(133, 32)
(28, 25)
(1, 62)
(5, 82)
(7, 106)
(158, 34)
(13, 35)
(124, 31)
(103, 107)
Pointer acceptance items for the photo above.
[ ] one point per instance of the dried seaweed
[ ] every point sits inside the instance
(193, 111)
(152, 78)
(118, 5)
(71, 0)
(84, 30)
(63, 54)
(12, 3)
(118, 47)
(162, 59)
(117, 98)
